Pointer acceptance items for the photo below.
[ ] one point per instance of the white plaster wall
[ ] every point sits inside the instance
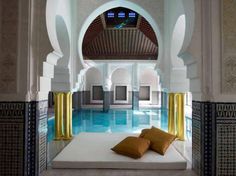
(121, 76)
(93, 76)
(175, 78)
(149, 77)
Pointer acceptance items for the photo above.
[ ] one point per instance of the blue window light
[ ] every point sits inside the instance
(132, 14)
(121, 15)
(110, 15)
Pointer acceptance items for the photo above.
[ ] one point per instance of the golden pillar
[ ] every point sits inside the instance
(70, 120)
(58, 109)
(63, 115)
(176, 115)
(180, 117)
(67, 116)
(171, 113)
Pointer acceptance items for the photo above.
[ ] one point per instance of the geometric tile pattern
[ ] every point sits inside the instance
(203, 138)
(214, 138)
(11, 138)
(13, 110)
(226, 139)
(11, 148)
(42, 144)
(23, 138)
(208, 138)
(226, 149)
(42, 110)
(31, 138)
(196, 137)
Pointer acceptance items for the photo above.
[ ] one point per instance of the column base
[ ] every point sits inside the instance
(135, 100)
(77, 100)
(164, 100)
(106, 101)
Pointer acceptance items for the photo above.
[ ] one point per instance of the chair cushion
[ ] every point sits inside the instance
(160, 140)
(133, 147)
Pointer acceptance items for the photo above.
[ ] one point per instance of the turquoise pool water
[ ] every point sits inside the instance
(131, 121)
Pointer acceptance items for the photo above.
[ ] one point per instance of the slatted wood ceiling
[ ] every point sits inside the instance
(137, 43)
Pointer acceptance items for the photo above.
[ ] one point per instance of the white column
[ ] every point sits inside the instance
(107, 83)
(135, 86)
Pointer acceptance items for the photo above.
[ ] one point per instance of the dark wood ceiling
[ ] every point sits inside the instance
(139, 43)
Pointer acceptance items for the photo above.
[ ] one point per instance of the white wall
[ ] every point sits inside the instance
(121, 76)
(149, 77)
(93, 76)
(175, 22)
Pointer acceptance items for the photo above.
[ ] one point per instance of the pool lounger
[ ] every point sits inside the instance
(92, 150)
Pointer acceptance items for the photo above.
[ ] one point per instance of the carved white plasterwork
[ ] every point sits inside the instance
(228, 46)
(229, 79)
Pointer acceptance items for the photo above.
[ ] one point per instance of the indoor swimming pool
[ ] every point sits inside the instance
(118, 120)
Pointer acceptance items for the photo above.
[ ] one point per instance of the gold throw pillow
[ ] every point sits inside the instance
(160, 140)
(133, 147)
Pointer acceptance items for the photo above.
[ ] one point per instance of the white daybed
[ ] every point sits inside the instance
(92, 150)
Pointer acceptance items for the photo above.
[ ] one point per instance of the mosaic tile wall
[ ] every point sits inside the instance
(226, 139)
(196, 138)
(42, 110)
(214, 138)
(23, 136)
(12, 138)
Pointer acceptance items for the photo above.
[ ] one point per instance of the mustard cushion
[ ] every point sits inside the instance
(144, 131)
(160, 140)
(133, 147)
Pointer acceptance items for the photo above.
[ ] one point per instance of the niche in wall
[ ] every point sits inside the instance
(121, 94)
(96, 94)
(145, 94)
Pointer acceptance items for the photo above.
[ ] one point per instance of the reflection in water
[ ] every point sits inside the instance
(129, 121)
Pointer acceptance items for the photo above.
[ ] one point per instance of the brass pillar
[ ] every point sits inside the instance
(180, 117)
(63, 115)
(58, 109)
(171, 114)
(67, 116)
(176, 115)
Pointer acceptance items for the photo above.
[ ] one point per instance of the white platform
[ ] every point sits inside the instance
(93, 150)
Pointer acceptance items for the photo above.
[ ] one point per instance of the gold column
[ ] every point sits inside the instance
(180, 117)
(70, 119)
(58, 109)
(171, 114)
(67, 116)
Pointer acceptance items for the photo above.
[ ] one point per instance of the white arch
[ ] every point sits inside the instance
(113, 68)
(125, 4)
(125, 70)
(95, 74)
(189, 10)
(177, 40)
